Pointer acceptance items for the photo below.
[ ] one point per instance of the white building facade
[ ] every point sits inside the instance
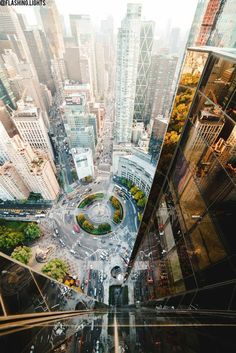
(83, 160)
(128, 45)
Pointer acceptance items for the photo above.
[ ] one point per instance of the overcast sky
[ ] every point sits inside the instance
(180, 12)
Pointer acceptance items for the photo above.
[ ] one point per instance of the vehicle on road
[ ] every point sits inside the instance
(72, 251)
(76, 228)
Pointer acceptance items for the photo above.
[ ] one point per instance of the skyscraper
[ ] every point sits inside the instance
(160, 86)
(144, 64)
(29, 122)
(128, 48)
(11, 184)
(208, 21)
(34, 167)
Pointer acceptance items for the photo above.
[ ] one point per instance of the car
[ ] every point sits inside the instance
(62, 243)
(76, 228)
(73, 232)
(72, 251)
(56, 231)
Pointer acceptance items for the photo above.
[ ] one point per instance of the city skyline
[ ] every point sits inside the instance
(164, 13)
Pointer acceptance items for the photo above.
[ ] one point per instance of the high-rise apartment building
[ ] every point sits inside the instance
(185, 239)
(208, 21)
(223, 33)
(11, 184)
(128, 49)
(144, 64)
(40, 55)
(34, 167)
(160, 86)
(29, 122)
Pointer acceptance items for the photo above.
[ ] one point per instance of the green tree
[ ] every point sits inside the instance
(10, 239)
(87, 225)
(117, 216)
(22, 254)
(80, 218)
(140, 216)
(32, 232)
(104, 227)
(123, 181)
(89, 179)
(142, 202)
(115, 203)
(74, 175)
(134, 189)
(129, 184)
(56, 268)
(139, 195)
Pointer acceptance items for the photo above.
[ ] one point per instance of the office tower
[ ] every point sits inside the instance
(11, 184)
(160, 86)
(186, 245)
(6, 120)
(34, 167)
(46, 96)
(39, 52)
(6, 94)
(157, 136)
(29, 122)
(223, 33)
(72, 63)
(174, 41)
(75, 118)
(102, 74)
(83, 161)
(26, 85)
(53, 31)
(52, 27)
(10, 26)
(107, 32)
(85, 138)
(82, 30)
(128, 48)
(208, 21)
(146, 42)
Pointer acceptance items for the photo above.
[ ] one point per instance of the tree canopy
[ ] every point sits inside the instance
(32, 232)
(22, 254)
(56, 268)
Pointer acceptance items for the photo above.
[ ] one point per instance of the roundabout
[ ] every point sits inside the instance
(99, 214)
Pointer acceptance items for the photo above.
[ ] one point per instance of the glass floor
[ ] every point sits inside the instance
(119, 331)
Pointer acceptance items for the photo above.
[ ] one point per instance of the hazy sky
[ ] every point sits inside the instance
(180, 12)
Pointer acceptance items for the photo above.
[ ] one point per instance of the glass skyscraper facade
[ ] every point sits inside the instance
(185, 249)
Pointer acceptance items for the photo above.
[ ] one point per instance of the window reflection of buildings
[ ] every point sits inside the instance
(191, 221)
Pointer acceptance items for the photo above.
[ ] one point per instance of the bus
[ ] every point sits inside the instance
(40, 216)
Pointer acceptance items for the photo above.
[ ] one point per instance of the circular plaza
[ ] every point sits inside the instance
(99, 213)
